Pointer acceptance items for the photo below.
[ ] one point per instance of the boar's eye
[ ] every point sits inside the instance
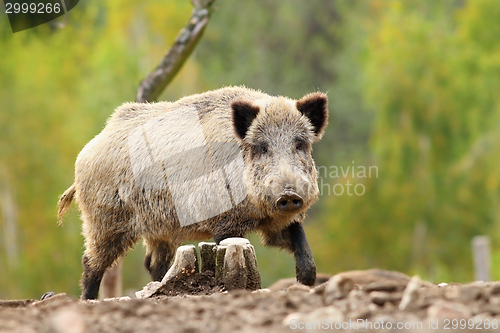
(260, 149)
(300, 145)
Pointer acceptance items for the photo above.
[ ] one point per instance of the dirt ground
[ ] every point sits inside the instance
(357, 301)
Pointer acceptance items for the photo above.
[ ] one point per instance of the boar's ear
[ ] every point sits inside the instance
(315, 107)
(243, 115)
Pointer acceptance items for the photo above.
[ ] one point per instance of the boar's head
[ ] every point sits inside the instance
(276, 136)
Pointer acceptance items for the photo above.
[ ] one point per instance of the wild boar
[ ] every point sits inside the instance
(219, 164)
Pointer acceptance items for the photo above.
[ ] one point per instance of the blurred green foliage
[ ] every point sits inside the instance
(413, 89)
(431, 80)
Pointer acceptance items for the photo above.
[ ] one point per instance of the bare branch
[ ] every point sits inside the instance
(185, 42)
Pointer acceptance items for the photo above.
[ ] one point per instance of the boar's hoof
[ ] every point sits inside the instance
(307, 276)
(289, 202)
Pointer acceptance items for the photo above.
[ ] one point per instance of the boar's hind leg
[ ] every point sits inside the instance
(159, 254)
(99, 255)
(293, 238)
(91, 279)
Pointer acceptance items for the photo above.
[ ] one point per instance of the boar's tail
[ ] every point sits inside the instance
(64, 202)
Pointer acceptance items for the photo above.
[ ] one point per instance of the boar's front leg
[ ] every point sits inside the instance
(293, 238)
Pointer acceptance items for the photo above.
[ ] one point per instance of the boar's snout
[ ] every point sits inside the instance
(289, 202)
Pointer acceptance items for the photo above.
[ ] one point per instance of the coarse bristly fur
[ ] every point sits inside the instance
(274, 136)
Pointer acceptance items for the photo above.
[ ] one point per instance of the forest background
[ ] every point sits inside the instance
(414, 93)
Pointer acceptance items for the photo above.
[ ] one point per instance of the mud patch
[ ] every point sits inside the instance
(196, 284)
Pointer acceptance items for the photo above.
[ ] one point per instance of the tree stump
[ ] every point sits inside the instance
(233, 262)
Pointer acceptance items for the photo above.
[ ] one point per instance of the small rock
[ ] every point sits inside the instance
(448, 310)
(337, 287)
(492, 309)
(380, 297)
(319, 285)
(434, 291)
(452, 292)
(291, 318)
(381, 321)
(144, 310)
(374, 308)
(410, 294)
(319, 289)
(363, 313)
(261, 291)
(389, 307)
(389, 286)
(481, 317)
(148, 289)
(47, 295)
(375, 275)
(331, 313)
(470, 293)
(61, 297)
(356, 294)
(495, 288)
(68, 320)
(16, 303)
(299, 287)
(117, 299)
(430, 295)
